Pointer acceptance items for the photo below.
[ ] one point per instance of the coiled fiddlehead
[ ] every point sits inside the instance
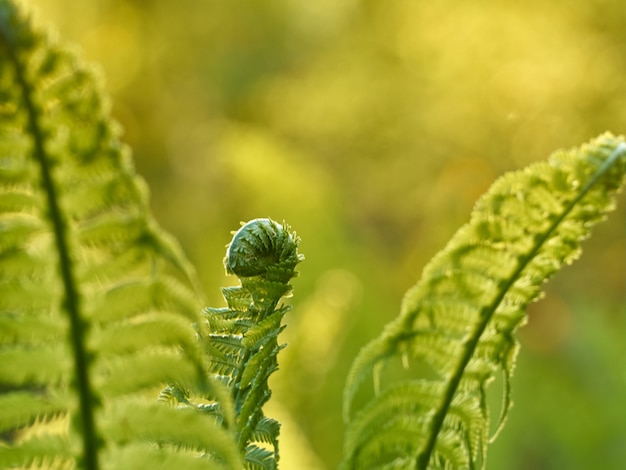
(263, 254)
(242, 342)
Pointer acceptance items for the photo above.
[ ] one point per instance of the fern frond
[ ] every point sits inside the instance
(457, 324)
(242, 341)
(96, 301)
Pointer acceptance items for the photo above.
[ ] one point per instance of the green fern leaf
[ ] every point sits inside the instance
(456, 326)
(242, 339)
(96, 301)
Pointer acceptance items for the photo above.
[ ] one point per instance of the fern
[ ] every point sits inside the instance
(242, 339)
(95, 299)
(99, 307)
(456, 326)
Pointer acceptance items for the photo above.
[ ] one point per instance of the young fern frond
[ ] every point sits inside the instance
(95, 299)
(242, 338)
(263, 254)
(456, 326)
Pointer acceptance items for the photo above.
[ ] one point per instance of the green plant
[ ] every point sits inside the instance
(96, 300)
(242, 338)
(458, 323)
(99, 308)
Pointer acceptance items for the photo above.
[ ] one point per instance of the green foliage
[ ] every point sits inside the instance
(97, 301)
(457, 324)
(241, 340)
(371, 127)
(99, 308)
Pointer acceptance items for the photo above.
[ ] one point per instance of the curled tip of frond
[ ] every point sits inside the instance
(263, 246)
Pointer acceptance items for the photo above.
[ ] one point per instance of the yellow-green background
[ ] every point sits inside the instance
(372, 127)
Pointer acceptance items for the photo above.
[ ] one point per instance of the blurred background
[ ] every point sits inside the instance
(372, 127)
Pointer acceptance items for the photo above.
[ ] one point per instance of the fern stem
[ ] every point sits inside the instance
(423, 458)
(59, 226)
